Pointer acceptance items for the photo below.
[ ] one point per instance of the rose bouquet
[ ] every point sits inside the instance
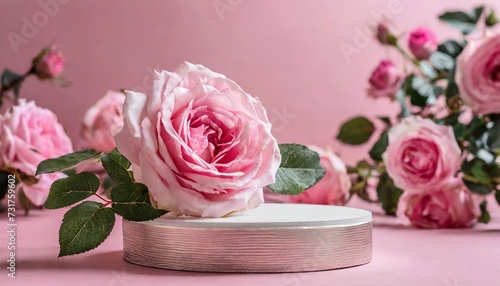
(439, 160)
(198, 145)
(29, 134)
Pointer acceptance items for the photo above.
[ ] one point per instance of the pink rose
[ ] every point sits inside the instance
(384, 80)
(102, 121)
(28, 135)
(451, 207)
(422, 43)
(421, 154)
(478, 72)
(200, 143)
(49, 63)
(333, 188)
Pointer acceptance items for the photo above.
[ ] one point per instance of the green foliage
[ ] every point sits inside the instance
(485, 215)
(388, 194)
(13, 80)
(65, 162)
(380, 146)
(451, 48)
(421, 92)
(4, 184)
(131, 201)
(465, 22)
(67, 191)
(356, 131)
(441, 61)
(299, 170)
(85, 227)
(116, 165)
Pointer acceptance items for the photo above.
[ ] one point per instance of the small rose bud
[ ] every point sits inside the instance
(422, 43)
(384, 80)
(49, 63)
(492, 19)
(384, 35)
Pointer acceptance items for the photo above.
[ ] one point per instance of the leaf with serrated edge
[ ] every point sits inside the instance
(299, 170)
(84, 228)
(67, 161)
(67, 191)
(116, 165)
(131, 201)
(356, 131)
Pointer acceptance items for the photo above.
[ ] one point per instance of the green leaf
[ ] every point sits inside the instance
(4, 184)
(116, 165)
(459, 130)
(462, 21)
(442, 61)
(67, 161)
(452, 87)
(478, 172)
(67, 191)
(131, 201)
(423, 93)
(356, 131)
(299, 170)
(10, 78)
(478, 188)
(380, 146)
(388, 194)
(497, 197)
(451, 48)
(485, 216)
(401, 96)
(69, 172)
(494, 135)
(427, 70)
(385, 119)
(84, 228)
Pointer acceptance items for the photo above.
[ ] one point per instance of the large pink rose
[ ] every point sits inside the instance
(28, 135)
(421, 155)
(333, 188)
(422, 42)
(451, 207)
(384, 81)
(200, 143)
(478, 72)
(102, 121)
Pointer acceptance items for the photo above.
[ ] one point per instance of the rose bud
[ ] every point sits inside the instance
(49, 63)
(384, 80)
(422, 43)
(384, 35)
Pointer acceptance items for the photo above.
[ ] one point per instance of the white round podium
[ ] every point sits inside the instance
(270, 238)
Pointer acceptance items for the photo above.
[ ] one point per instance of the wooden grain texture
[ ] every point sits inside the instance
(277, 249)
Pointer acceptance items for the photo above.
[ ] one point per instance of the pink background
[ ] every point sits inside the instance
(287, 53)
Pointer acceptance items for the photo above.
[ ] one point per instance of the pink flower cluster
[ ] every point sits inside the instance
(423, 159)
(385, 80)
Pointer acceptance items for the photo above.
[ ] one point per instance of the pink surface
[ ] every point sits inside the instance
(286, 52)
(401, 256)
